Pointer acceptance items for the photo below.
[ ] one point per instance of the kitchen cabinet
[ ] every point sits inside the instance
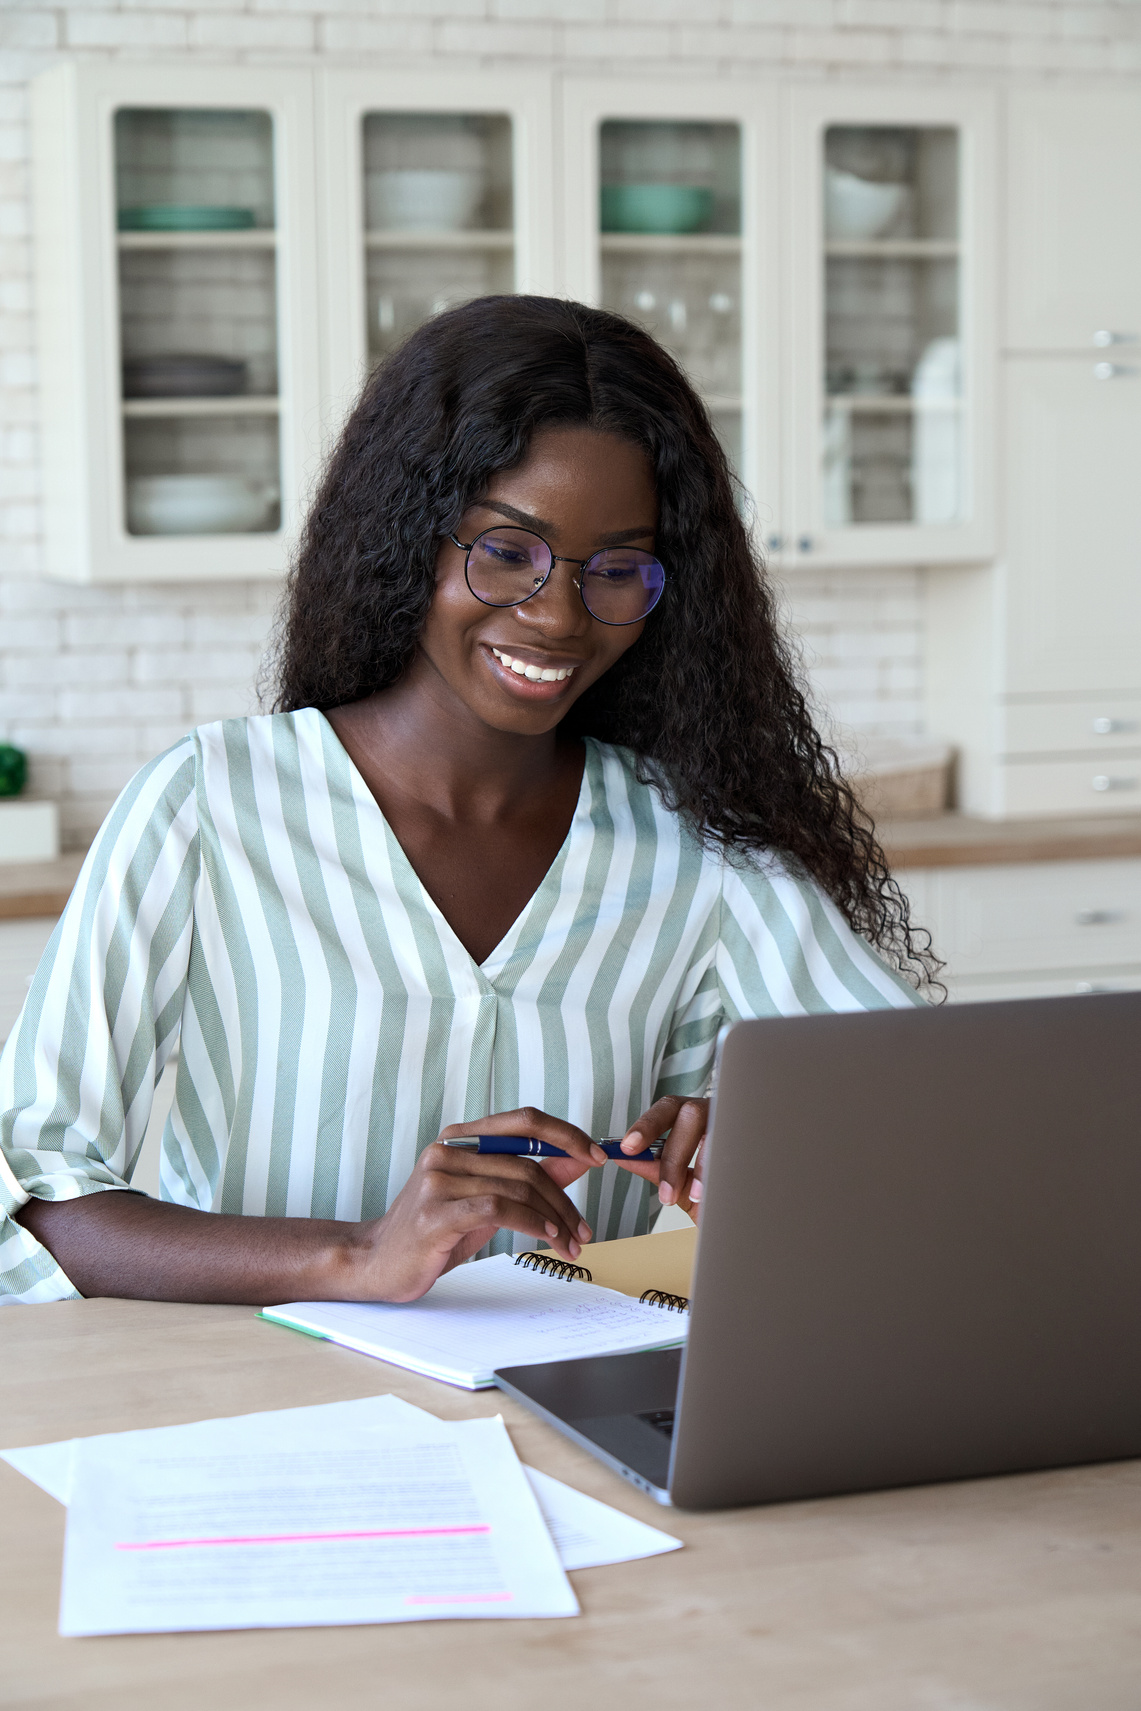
(1032, 929)
(1034, 663)
(837, 315)
(891, 224)
(435, 189)
(177, 295)
(225, 253)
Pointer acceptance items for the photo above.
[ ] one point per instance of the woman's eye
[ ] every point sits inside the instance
(615, 572)
(507, 555)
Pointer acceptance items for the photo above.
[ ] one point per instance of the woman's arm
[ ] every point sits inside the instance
(117, 1244)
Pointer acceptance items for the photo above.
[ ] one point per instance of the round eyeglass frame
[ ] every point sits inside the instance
(468, 547)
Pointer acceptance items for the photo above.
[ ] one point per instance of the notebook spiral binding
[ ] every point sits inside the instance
(552, 1266)
(663, 1298)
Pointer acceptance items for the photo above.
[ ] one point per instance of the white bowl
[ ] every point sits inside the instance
(197, 504)
(423, 198)
(855, 208)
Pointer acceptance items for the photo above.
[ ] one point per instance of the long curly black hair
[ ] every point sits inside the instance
(708, 698)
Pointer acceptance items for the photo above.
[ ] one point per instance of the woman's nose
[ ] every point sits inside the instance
(557, 609)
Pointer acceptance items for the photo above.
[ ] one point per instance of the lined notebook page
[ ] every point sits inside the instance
(491, 1313)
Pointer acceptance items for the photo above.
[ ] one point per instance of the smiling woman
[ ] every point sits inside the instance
(540, 809)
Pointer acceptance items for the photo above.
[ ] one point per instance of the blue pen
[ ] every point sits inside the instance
(526, 1146)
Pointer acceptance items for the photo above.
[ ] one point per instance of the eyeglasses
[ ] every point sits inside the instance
(506, 567)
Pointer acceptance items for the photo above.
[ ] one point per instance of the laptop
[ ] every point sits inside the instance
(919, 1259)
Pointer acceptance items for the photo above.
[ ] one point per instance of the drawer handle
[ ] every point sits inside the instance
(1099, 917)
(1113, 371)
(1104, 337)
(1103, 781)
(1113, 727)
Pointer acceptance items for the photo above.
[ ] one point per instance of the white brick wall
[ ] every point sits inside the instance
(95, 681)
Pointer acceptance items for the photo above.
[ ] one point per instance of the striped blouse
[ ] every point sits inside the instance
(247, 901)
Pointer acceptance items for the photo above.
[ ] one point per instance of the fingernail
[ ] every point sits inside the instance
(695, 1189)
(633, 1142)
(573, 1249)
(666, 1194)
(584, 1232)
(552, 1230)
(597, 1155)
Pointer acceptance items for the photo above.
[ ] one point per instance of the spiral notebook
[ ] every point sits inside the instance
(495, 1313)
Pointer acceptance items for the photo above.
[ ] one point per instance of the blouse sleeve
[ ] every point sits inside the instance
(784, 949)
(78, 1073)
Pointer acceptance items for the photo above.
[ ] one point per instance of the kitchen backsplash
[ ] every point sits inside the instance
(95, 680)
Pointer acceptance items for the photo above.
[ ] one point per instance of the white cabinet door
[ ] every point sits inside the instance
(175, 213)
(670, 218)
(1073, 526)
(890, 226)
(1074, 218)
(436, 188)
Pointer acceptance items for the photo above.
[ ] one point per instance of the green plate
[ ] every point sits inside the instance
(184, 217)
(665, 208)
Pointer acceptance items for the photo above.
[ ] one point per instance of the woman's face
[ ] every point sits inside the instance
(581, 490)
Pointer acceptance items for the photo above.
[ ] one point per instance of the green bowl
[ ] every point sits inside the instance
(184, 217)
(655, 207)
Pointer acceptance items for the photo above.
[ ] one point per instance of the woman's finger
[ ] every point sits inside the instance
(685, 1137)
(685, 1119)
(528, 1121)
(460, 1175)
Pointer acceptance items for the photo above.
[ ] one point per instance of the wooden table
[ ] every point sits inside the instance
(1013, 1593)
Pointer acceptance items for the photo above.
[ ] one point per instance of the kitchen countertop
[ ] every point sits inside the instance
(960, 840)
(29, 889)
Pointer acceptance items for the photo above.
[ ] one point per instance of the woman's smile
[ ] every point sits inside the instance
(529, 672)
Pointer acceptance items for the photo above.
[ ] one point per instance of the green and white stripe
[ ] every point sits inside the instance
(248, 901)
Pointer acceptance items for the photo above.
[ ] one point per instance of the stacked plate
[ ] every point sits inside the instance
(182, 376)
(184, 217)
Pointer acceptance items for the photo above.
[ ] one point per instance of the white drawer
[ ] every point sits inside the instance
(1049, 986)
(1107, 786)
(1048, 917)
(1099, 726)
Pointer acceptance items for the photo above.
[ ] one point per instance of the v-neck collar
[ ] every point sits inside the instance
(497, 959)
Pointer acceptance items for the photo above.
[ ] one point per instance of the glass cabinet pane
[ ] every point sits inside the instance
(892, 412)
(198, 320)
(670, 218)
(438, 217)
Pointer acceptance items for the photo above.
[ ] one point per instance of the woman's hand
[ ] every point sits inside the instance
(455, 1201)
(686, 1120)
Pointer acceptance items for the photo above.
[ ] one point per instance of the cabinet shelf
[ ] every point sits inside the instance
(887, 403)
(669, 243)
(164, 407)
(444, 240)
(253, 238)
(892, 249)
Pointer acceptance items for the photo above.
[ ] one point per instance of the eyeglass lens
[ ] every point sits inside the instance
(619, 585)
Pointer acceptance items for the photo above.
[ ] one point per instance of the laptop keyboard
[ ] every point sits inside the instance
(661, 1419)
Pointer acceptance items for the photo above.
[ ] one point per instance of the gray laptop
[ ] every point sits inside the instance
(919, 1259)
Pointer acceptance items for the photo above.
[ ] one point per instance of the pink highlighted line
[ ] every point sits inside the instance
(306, 1538)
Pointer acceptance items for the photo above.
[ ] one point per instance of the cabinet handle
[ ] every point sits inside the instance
(1112, 371)
(1104, 337)
(805, 544)
(1098, 917)
(1112, 727)
(775, 543)
(1103, 781)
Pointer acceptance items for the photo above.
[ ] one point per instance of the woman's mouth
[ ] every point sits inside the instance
(532, 672)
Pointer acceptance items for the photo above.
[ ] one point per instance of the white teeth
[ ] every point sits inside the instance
(534, 673)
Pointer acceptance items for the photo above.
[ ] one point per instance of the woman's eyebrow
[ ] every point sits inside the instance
(542, 527)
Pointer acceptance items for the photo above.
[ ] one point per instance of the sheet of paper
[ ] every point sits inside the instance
(590, 1534)
(490, 1314)
(401, 1520)
(586, 1533)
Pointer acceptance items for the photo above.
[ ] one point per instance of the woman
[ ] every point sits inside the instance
(540, 809)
